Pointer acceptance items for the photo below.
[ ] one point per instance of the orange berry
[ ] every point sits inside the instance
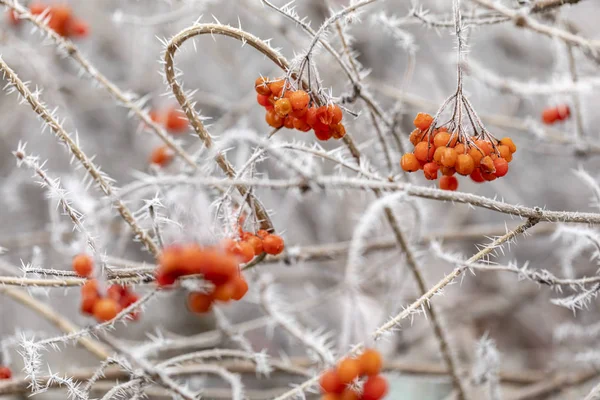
(83, 265)
(370, 362)
(348, 369)
(161, 156)
(274, 119)
(299, 99)
(476, 176)
(89, 288)
(88, 302)
(423, 121)
(106, 309)
(464, 164)
(262, 87)
(335, 114)
(441, 139)
(431, 171)
(176, 121)
(301, 125)
(375, 388)
(550, 115)
(224, 292)
(349, 394)
(273, 244)
(508, 142)
(501, 166)
(424, 151)
(449, 157)
(283, 107)
(277, 87)
(79, 28)
(437, 154)
(409, 162)
(243, 250)
(504, 152)
(487, 165)
(199, 302)
(5, 373)
(255, 242)
(330, 382)
(484, 146)
(261, 233)
(240, 287)
(447, 171)
(415, 136)
(288, 122)
(475, 155)
(460, 148)
(448, 183)
(338, 131)
(263, 100)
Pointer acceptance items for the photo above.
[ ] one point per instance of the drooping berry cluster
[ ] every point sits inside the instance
(292, 109)
(61, 19)
(438, 150)
(171, 118)
(5, 373)
(559, 113)
(105, 307)
(335, 382)
(217, 264)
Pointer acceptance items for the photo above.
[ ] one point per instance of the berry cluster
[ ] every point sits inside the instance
(438, 150)
(106, 307)
(334, 382)
(291, 108)
(552, 115)
(61, 19)
(5, 372)
(218, 264)
(171, 118)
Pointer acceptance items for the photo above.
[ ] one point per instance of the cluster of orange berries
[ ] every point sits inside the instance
(334, 382)
(5, 372)
(442, 152)
(291, 108)
(218, 265)
(552, 115)
(103, 308)
(61, 19)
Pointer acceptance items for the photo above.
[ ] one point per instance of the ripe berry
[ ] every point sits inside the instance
(277, 87)
(90, 287)
(505, 152)
(88, 302)
(37, 8)
(489, 176)
(261, 233)
(550, 115)
(262, 87)
(476, 155)
(449, 157)
(431, 171)
(460, 149)
(288, 122)
(199, 302)
(323, 134)
(409, 162)
(176, 122)
(349, 394)
(476, 176)
(509, 143)
(79, 28)
(283, 107)
(415, 136)
(348, 369)
(423, 121)
(301, 125)
(487, 165)
(243, 250)
(335, 115)
(448, 183)
(464, 164)
(299, 99)
(375, 388)
(563, 111)
(255, 242)
(223, 292)
(338, 131)
(83, 265)
(106, 309)
(330, 382)
(441, 139)
(240, 287)
(330, 396)
(274, 119)
(5, 373)
(484, 146)
(424, 151)
(161, 156)
(273, 244)
(501, 166)
(370, 362)
(263, 100)
(447, 171)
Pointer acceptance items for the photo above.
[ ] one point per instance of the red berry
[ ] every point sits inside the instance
(501, 166)
(83, 265)
(550, 115)
(199, 302)
(448, 183)
(274, 119)
(299, 99)
(375, 388)
(262, 87)
(476, 176)
(273, 244)
(106, 309)
(161, 156)
(431, 171)
(5, 373)
(330, 382)
(348, 369)
(79, 28)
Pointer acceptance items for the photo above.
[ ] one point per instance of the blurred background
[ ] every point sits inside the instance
(511, 76)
